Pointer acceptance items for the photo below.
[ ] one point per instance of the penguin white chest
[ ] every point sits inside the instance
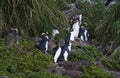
(85, 34)
(57, 54)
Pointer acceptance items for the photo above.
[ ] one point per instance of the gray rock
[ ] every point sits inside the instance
(61, 42)
(78, 42)
(51, 45)
(3, 76)
(9, 39)
(72, 73)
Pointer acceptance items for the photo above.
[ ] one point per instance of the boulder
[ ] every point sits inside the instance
(51, 45)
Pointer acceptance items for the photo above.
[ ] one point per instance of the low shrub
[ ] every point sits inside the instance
(89, 53)
(95, 72)
(61, 35)
(22, 58)
(113, 62)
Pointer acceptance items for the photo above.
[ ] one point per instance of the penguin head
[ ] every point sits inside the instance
(69, 43)
(14, 30)
(46, 33)
(83, 26)
(43, 34)
(75, 21)
(55, 31)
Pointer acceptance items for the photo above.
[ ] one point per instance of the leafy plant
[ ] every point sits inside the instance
(95, 72)
(89, 53)
(109, 24)
(22, 58)
(114, 61)
(92, 14)
(31, 16)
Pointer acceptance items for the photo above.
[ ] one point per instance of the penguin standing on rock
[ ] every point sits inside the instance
(84, 34)
(75, 26)
(70, 36)
(56, 53)
(61, 54)
(43, 43)
(12, 37)
(66, 49)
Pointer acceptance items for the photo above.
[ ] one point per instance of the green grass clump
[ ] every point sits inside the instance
(22, 58)
(89, 53)
(95, 72)
(114, 61)
(61, 35)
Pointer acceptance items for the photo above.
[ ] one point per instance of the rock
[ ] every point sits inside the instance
(35, 39)
(79, 43)
(51, 45)
(3, 76)
(72, 73)
(9, 40)
(71, 69)
(61, 71)
(77, 65)
(70, 65)
(56, 70)
(61, 42)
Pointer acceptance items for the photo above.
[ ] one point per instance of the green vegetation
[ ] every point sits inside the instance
(95, 72)
(114, 61)
(22, 58)
(31, 17)
(89, 53)
(30, 74)
(92, 14)
(109, 24)
(44, 74)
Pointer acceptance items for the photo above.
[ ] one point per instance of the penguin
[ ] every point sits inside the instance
(43, 43)
(77, 18)
(80, 19)
(12, 37)
(56, 53)
(76, 28)
(54, 32)
(70, 36)
(107, 2)
(15, 32)
(66, 49)
(84, 34)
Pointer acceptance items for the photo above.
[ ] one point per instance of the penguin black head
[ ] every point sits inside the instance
(14, 32)
(73, 21)
(69, 43)
(83, 26)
